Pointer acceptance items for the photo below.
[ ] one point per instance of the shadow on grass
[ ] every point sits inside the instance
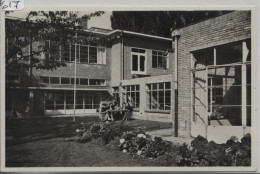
(25, 130)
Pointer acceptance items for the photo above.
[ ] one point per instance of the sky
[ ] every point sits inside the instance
(102, 21)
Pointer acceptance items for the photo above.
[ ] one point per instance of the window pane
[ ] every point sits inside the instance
(161, 100)
(65, 80)
(97, 82)
(167, 85)
(84, 54)
(101, 56)
(54, 80)
(84, 81)
(154, 85)
(154, 61)
(154, 100)
(230, 53)
(135, 63)
(135, 50)
(72, 81)
(93, 55)
(142, 63)
(44, 79)
(161, 85)
(141, 51)
(167, 100)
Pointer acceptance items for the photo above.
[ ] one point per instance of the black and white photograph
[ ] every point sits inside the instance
(129, 88)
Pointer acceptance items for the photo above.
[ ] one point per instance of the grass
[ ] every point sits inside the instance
(39, 142)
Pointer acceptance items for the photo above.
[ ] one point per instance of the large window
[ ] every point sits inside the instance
(91, 54)
(138, 61)
(132, 95)
(222, 84)
(159, 60)
(65, 100)
(70, 81)
(158, 96)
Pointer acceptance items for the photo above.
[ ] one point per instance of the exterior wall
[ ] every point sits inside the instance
(148, 44)
(116, 68)
(141, 113)
(224, 29)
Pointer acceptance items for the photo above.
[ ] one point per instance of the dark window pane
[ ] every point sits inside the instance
(160, 62)
(65, 80)
(44, 79)
(135, 63)
(154, 61)
(54, 80)
(84, 81)
(84, 54)
(141, 51)
(77, 81)
(142, 63)
(134, 50)
(167, 85)
(93, 55)
(161, 85)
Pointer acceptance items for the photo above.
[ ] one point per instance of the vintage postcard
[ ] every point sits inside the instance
(128, 89)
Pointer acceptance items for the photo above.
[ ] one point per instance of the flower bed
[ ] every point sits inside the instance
(199, 153)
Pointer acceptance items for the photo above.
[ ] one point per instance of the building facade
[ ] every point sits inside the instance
(200, 79)
(104, 71)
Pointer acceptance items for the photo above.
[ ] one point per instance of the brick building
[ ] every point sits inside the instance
(214, 77)
(200, 79)
(104, 71)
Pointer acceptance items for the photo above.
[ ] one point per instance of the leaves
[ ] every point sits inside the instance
(159, 23)
(58, 27)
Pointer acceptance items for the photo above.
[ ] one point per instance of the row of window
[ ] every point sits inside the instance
(158, 96)
(65, 100)
(70, 81)
(84, 54)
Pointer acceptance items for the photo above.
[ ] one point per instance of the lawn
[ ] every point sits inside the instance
(40, 142)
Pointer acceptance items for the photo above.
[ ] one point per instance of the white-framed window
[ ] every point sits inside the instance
(138, 61)
(132, 93)
(221, 84)
(70, 81)
(90, 54)
(160, 60)
(158, 96)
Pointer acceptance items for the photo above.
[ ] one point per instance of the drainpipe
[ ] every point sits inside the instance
(121, 68)
(175, 35)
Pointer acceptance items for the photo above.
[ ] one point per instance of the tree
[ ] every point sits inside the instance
(56, 27)
(159, 23)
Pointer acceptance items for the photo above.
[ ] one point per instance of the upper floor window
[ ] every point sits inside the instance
(71, 81)
(138, 61)
(159, 60)
(91, 54)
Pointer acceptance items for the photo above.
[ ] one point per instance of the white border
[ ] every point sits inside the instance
(165, 5)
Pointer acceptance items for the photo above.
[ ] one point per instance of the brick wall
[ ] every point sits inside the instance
(227, 28)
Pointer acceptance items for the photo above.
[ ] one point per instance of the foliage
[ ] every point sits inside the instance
(199, 153)
(59, 27)
(158, 22)
(204, 153)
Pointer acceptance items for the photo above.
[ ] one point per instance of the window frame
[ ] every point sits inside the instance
(158, 90)
(78, 60)
(138, 54)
